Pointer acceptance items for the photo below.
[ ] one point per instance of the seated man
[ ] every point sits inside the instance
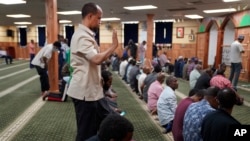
(148, 81)
(221, 81)
(114, 128)
(203, 82)
(135, 70)
(141, 79)
(194, 75)
(8, 58)
(2, 53)
(195, 113)
(123, 64)
(109, 93)
(154, 93)
(216, 125)
(180, 112)
(167, 103)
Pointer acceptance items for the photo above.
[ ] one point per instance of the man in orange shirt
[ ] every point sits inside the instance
(32, 52)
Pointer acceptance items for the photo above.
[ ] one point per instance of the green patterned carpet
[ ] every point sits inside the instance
(55, 121)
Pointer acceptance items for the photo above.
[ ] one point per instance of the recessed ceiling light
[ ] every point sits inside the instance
(9, 2)
(130, 22)
(18, 16)
(142, 7)
(220, 10)
(22, 23)
(110, 19)
(69, 12)
(21, 26)
(166, 20)
(230, 0)
(194, 16)
(41, 25)
(65, 21)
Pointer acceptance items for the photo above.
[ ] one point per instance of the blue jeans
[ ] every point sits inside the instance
(168, 126)
(235, 73)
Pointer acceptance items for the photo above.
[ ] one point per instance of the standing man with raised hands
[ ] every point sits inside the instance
(86, 83)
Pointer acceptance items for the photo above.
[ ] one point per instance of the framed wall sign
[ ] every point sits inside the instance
(180, 32)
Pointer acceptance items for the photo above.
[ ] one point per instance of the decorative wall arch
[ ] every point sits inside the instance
(228, 37)
(225, 21)
(212, 42)
(210, 24)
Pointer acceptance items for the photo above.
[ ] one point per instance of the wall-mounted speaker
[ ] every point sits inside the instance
(108, 26)
(9, 33)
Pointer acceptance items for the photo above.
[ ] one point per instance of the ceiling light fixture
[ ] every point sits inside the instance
(230, 0)
(22, 23)
(65, 21)
(166, 20)
(142, 7)
(110, 19)
(18, 16)
(194, 16)
(41, 25)
(69, 12)
(10, 2)
(21, 26)
(130, 22)
(220, 10)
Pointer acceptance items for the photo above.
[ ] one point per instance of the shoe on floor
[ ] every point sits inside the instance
(45, 94)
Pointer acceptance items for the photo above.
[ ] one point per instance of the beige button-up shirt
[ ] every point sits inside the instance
(86, 78)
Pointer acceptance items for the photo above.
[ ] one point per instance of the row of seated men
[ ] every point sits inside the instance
(192, 118)
(184, 66)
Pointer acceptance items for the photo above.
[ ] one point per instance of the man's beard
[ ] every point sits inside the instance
(95, 29)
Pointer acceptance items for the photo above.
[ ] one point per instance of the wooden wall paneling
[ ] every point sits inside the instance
(245, 73)
(219, 47)
(202, 48)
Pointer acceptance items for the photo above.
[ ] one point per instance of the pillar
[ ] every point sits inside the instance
(52, 32)
(150, 34)
(219, 48)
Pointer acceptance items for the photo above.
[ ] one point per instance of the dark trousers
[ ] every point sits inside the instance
(31, 58)
(8, 59)
(89, 115)
(44, 79)
(168, 126)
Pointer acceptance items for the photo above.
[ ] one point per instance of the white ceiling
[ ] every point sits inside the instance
(167, 9)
